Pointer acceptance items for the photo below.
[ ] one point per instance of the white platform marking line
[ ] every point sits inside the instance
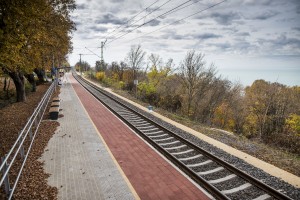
(222, 179)
(211, 171)
(242, 187)
(199, 164)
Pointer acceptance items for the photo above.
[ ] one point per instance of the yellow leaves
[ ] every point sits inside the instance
(37, 24)
(100, 76)
(293, 122)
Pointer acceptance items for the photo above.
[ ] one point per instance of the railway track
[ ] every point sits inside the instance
(219, 178)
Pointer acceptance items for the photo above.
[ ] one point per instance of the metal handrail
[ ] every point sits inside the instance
(36, 118)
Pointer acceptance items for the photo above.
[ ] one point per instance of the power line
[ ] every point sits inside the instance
(92, 52)
(164, 14)
(131, 18)
(143, 17)
(180, 19)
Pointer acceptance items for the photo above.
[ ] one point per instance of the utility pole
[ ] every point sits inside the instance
(102, 60)
(80, 70)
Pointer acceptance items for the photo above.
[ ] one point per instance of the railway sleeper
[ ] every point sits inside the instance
(210, 171)
(190, 158)
(237, 189)
(200, 164)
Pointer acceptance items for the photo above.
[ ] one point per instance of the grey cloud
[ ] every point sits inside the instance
(77, 22)
(265, 15)
(98, 29)
(154, 22)
(225, 18)
(261, 2)
(284, 41)
(110, 19)
(222, 46)
(81, 6)
(117, 1)
(243, 34)
(281, 41)
(296, 28)
(205, 36)
(172, 35)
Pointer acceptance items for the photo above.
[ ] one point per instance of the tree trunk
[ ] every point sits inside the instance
(7, 89)
(40, 73)
(19, 82)
(31, 80)
(5, 83)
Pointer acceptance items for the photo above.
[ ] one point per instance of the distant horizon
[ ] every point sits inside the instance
(235, 35)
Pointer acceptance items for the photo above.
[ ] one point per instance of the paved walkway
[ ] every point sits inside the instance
(82, 168)
(77, 159)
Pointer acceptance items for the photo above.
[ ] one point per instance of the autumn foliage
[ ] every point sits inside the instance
(34, 35)
(269, 112)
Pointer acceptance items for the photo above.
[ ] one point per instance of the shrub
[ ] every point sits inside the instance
(100, 76)
(293, 123)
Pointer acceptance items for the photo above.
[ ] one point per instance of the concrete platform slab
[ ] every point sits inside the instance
(80, 164)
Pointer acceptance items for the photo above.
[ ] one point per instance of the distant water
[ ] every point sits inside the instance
(290, 77)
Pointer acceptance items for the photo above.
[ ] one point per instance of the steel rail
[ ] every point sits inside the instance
(271, 191)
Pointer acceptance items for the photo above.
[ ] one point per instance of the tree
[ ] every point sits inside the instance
(100, 67)
(268, 105)
(135, 60)
(191, 69)
(31, 34)
(82, 66)
(155, 61)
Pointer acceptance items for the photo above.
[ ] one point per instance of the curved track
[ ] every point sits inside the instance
(218, 177)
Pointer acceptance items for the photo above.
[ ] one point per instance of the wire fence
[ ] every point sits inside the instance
(23, 145)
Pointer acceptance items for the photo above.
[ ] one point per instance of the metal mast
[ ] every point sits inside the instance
(102, 60)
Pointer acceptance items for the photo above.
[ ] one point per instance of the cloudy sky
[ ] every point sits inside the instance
(245, 39)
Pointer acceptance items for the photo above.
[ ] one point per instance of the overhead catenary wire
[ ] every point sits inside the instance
(132, 18)
(92, 52)
(209, 7)
(175, 9)
(143, 17)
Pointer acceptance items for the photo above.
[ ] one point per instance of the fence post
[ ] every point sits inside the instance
(6, 180)
(22, 147)
(30, 134)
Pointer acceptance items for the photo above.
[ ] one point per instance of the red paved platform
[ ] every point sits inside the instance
(150, 175)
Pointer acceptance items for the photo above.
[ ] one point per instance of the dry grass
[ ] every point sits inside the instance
(276, 156)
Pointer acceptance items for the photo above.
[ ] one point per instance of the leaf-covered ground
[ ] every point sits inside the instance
(33, 181)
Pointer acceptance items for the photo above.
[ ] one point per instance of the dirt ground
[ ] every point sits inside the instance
(13, 117)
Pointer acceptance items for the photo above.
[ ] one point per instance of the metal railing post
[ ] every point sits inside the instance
(30, 134)
(22, 153)
(6, 180)
(29, 130)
